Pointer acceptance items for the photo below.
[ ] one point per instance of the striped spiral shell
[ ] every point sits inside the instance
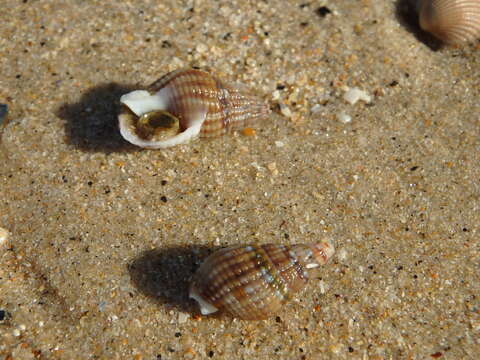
(184, 104)
(452, 21)
(252, 282)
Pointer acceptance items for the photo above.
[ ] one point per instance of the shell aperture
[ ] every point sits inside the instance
(157, 123)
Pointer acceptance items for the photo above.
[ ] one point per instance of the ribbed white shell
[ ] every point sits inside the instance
(452, 21)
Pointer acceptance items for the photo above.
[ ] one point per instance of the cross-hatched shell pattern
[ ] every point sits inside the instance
(452, 21)
(252, 282)
(204, 105)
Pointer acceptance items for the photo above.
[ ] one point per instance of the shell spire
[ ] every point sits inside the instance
(184, 104)
(253, 282)
(452, 21)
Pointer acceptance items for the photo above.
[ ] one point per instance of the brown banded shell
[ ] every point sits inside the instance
(253, 282)
(452, 21)
(197, 103)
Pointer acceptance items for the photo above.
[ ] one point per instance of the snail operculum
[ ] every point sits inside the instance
(157, 125)
(144, 116)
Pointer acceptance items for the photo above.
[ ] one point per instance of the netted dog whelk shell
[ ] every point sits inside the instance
(184, 104)
(452, 21)
(252, 282)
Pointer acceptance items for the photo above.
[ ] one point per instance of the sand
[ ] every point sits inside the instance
(100, 238)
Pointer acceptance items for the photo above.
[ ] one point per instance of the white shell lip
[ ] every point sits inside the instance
(141, 102)
(185, 136)
(205, 307)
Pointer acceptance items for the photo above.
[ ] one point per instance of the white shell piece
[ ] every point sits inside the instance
(355, 94)
(205, 307)
(141, 102)
(182, 138)
(285, 110)
(312, 265)
(344, 117)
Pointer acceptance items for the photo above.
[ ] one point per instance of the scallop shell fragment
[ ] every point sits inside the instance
(185, 104)
(452, 21)
(253, 282)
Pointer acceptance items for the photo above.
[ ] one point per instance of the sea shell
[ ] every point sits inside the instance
(184, 104)
(252, 282)
(452, 21)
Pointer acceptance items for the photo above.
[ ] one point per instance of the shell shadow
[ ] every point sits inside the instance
(91, 123)
(164, 274)
(407, 16)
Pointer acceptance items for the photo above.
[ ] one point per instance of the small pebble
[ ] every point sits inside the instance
(273, 168)
(256, 166)
(248, 131)
(189, 354)
(276, 95)
(182, 318)
(285, 111)
(3, 235)
(336, 348)
(322, 287)
(342, 255)
(316, 108)
(202, 48)
(355, 94)
(279, 144)
(3, 112)
(344, 117)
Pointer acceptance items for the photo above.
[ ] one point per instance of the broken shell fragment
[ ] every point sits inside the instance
(253, 282)
(185, 104)
(452, 21)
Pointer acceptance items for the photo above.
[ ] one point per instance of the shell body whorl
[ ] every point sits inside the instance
(252, 282)
(202, 104)
(452, 21)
